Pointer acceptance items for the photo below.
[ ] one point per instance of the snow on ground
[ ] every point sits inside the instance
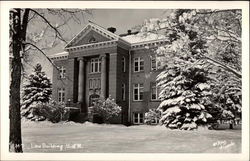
(103, 138)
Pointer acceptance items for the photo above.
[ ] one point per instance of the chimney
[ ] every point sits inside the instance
(129, 32)
(112, 29)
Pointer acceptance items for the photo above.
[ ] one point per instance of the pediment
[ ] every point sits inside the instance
(91, 37)
(92, 34)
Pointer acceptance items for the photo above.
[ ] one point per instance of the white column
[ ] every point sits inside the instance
(81, 80)
(103, 75)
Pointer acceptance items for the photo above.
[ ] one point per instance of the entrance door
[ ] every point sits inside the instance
(92, 99)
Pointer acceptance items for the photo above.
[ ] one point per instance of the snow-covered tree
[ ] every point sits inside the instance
(38, 90)
(199, 41)
(186, 97)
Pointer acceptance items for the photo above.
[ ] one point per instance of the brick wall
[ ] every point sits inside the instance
(115, 78)
(145, 77)
(58, 82)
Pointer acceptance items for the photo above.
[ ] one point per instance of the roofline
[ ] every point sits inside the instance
(97, 26)
(148, 42)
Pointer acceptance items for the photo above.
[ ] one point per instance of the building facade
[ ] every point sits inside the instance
(99, 63)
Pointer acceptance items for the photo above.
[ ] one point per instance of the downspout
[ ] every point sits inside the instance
(129, 90)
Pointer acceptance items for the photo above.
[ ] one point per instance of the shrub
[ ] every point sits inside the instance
(152, 116)
(51, 111)
(103, 110)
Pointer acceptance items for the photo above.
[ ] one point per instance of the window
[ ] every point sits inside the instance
(94, 83)
(90, 84)
(138, 92)
(154, 91)
(62, 72)
(153, 64)
(123, 91)
(123, 64)
(138, 64)
(138, 118)
(61, 95)
(95, 65)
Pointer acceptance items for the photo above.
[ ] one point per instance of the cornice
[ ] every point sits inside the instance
(98, 45)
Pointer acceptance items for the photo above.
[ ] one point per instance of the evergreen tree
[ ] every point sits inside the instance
(38, 90)
(186, 98)
(201, 78)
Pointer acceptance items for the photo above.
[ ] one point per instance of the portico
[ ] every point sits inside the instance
(84, 86)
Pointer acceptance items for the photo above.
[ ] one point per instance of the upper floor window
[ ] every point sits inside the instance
(61, 95)
(94, 83)
(138, 118)
(154, 63)
(154, 91)
(123, 91)
(95, 65)
(138, 64)
(138, 92)
(123, 64)
(62, 71)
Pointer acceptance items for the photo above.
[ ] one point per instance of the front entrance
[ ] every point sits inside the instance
(93, 99)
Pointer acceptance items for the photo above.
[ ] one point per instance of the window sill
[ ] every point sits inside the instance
(137, 100)
(95, 73)
(137, 123)
(138, 72)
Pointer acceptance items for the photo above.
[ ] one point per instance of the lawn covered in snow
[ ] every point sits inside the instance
(95, 138)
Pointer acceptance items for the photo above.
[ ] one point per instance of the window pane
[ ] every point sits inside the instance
(59, 95)
(90, 83)
(153, 91)
(99, 83)
(141, 120)
(92, 67)
(141, 95)
(141, 92)
(96, 67)
(136, 67)
(153, 64)
(141, 65)
(136, 118)
(136, 94)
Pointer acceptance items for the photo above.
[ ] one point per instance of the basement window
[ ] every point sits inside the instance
(138, 118)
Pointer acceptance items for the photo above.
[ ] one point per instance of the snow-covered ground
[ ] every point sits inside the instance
(89, 137)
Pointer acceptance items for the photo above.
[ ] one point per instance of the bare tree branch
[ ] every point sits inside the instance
(54, 65)
(58, 34)
(223, 66)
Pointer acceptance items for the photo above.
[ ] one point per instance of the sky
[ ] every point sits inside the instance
(121, 19)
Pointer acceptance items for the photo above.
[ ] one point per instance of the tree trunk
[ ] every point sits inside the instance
(15, 139)
(18, 37)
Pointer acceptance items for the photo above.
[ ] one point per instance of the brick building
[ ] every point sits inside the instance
(97, 62)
